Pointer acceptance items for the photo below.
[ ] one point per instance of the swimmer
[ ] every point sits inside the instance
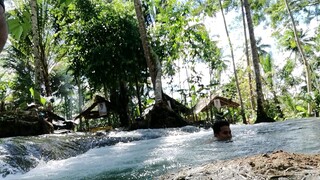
(222, 131)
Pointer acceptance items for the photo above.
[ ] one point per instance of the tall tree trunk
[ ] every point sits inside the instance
(305, 61)
(45, 70)
(80, 102)
(36, 50)
(161, 114)
(247, 57)
(139, 98)
(43, 55)
(40, 58)
(151, 58)
(261, 114)
(234, 66)
(124, 105)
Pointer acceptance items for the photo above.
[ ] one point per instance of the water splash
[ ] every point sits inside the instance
(21, 154)
(148, 153)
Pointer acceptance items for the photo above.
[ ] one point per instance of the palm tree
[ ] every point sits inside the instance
(247, 57)
(234, 66)
(261, 114)
(39, 47)
(305, 61)
(151, 58)
(36, 47)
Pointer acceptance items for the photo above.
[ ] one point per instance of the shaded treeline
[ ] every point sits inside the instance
(75, 49)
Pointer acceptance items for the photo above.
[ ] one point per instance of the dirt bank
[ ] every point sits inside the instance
(277, 165)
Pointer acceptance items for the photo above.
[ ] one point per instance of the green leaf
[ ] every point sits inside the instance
(301, 109)
(36, 95)
(15, 28)
(43, 100)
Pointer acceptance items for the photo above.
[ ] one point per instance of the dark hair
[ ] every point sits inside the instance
(218, 124)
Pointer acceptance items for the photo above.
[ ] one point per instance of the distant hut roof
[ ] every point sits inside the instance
(177, 106)
(89, 113)
(207, 103)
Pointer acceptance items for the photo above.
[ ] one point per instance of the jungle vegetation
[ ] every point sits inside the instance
(63, 52)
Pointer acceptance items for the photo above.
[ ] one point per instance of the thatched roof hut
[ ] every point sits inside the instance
(205, 104)
(176, 106)
(91, 113)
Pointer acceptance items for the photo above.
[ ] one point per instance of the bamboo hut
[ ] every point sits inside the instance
(99, 108)
(206, 105)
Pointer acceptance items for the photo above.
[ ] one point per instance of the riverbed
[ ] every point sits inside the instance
(149, 153)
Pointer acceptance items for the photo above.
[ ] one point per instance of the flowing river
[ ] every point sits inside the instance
(147, 153)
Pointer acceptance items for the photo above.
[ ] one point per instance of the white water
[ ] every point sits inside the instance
(147, 159)
(164, 152)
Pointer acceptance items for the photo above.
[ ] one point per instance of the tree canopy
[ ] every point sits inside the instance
(74, 49)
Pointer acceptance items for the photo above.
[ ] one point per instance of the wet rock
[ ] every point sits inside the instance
(277, 165)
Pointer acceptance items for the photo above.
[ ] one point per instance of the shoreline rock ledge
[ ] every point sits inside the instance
(278, 165)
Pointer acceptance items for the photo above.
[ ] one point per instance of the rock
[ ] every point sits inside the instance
(277, 165)
(161, 116)
(22, 124)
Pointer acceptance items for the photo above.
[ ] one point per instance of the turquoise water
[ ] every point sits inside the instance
(146, 154)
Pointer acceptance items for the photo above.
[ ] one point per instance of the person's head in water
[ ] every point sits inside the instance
(221, 130)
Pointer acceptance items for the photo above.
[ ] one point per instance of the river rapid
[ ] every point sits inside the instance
(147, 153)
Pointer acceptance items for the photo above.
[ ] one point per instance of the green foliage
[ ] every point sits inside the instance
(303, 10)
(287, 76)
(301, 111)
(229, 90)
(257, 8)
(104, 39)
(212, 8)
(20, 30)
(273, 110)
(104, 49)
(178, 34)
(294, 106)
(267, 66)
(288, 41)
(36, 95)
(19, 22)
(20, 59)
(277, 13)
(98, 42)
(21, 81)
(4, 87)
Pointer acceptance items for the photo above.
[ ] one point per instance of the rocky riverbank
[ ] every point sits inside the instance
(276, 165)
